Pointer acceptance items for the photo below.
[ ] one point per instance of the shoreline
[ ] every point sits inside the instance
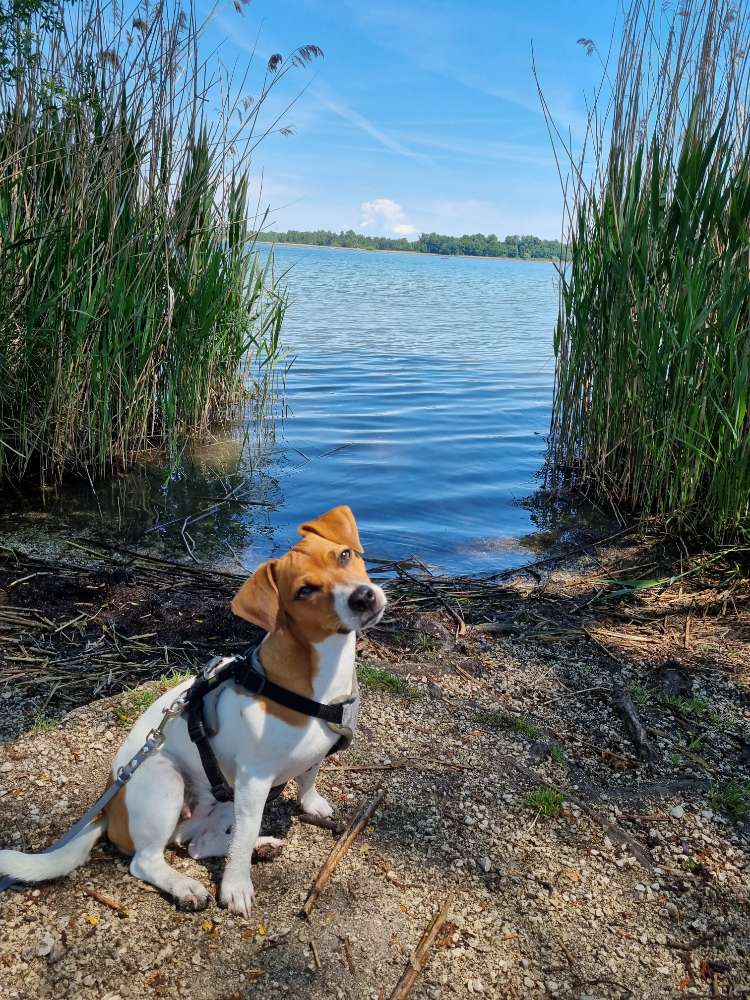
(409, 253)
(508, 768)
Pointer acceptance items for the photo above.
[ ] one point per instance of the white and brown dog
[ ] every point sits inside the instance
(312, 602)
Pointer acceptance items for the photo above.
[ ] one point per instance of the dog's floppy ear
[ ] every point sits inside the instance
(257, 600)
(337, 525)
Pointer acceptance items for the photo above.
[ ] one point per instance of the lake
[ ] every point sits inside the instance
(419, 393)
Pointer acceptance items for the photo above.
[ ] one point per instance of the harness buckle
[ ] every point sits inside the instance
(214, 665)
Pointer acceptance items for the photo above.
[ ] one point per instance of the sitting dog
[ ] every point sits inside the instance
(311, 602)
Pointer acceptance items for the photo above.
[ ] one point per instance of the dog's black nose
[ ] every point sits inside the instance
(362, 599)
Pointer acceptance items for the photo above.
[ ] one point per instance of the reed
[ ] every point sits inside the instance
(653, 336)
(134, 308)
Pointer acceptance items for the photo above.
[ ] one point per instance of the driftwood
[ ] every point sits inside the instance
(638, 735)
(421, 954)
(340, 848)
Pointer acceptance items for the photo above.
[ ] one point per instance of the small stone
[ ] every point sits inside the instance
(485, 864)
(677, 812)
(6, 766)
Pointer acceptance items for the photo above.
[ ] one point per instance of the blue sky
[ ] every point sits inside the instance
(423, 114)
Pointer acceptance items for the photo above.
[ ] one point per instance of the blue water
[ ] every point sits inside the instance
(419, 393)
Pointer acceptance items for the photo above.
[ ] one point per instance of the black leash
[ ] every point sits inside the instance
(243, 672)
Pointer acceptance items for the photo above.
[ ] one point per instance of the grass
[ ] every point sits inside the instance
(694, 706)
(43, 724)
(374, 678)
(504, 720)
(140, 698)
(546, 801)
(652, 343)
(732, 798)
(559, 756)
(135, 309)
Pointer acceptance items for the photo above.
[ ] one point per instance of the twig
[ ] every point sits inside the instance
(638, 735)
(421, 954)
(106, 901)
(348, 955)
(314, 949)
(340, 848)
(324, 822)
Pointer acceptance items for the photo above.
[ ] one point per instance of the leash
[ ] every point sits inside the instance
(153, 742)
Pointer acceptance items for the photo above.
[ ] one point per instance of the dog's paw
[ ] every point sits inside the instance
(315, 805)
(269, 842)
(191, 895)
(238, 897)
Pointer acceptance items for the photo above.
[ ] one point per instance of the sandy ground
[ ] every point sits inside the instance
(635, 884)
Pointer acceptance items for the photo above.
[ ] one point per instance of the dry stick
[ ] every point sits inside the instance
(340, 848)
(106, 901)
(324, 822)
(421, 954)
(638, 735)
(348, 955)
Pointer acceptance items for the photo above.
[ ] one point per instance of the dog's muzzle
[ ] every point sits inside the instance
(363, 607)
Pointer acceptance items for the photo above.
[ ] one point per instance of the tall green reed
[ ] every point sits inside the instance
(653, 337)
(134, 308)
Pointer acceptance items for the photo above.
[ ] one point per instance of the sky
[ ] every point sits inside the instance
(422, 115)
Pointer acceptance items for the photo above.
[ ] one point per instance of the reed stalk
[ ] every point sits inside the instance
(135, 310)
(653, 337)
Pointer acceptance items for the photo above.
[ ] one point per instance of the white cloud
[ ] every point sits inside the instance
(387, 215)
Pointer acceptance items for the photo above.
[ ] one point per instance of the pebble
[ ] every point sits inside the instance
(485, 864)
(7, 766)
(677, 812)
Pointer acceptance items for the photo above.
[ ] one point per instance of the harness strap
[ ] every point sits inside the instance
(243, 671)
(249, 677)
(221, 790)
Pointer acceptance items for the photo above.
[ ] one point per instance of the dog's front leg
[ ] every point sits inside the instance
(310, 800)
(250, 793)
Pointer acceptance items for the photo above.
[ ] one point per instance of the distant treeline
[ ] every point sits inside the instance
(476, 245)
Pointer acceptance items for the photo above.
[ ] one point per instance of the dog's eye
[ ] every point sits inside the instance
(306, 591)
(344, 557)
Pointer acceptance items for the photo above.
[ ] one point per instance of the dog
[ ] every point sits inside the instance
(311, 602)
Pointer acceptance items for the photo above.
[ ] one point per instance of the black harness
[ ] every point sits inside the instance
(241, 670)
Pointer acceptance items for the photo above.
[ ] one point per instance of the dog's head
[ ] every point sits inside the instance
(318, 588)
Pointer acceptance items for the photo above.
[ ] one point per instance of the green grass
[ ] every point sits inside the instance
(504, 720)
(558, 756)
(642, 696)
(733, 798)
(374, 678)
(650, 411)
(694, 706)
(139, 699)
(135, 310)
(43, 724)
(547, 801)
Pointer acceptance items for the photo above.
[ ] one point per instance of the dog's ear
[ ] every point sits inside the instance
(257, 600)
(337, 525)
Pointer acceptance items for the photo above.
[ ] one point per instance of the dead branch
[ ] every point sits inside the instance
(421, 954)
(340, 848)
(638, 735)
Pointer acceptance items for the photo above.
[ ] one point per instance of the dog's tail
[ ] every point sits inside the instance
(53, 864)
